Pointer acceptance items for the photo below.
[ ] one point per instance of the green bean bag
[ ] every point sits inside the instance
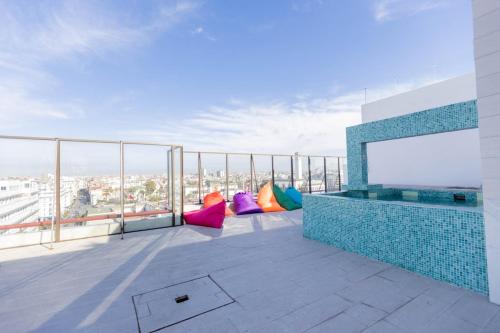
(284, 200)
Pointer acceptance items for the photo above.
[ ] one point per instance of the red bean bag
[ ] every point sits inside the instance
(214, 198)
(267, 200)
(212, 216)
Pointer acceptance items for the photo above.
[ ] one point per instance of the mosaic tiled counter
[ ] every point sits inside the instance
(445, 242)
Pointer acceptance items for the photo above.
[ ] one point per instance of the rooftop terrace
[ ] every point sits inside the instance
(273, 279)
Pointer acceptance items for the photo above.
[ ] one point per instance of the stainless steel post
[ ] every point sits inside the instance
(324, 174)
(227, 177)
(272, 169)
(199, 178)
(58, 190)
(172, 170)
(122, 189)
(338, 170)
(309, 171)
(251, 173)
(181, 157)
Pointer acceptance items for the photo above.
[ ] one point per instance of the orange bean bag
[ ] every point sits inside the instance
(213, 199)
(267, 201)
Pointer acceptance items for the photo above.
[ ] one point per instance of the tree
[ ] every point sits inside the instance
(150, 187)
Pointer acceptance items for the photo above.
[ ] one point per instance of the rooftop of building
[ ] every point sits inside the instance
(274, 280)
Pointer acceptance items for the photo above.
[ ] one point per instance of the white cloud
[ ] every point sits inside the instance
(307, 125)
(197, 31)
(387, 10)
(202, 32)
(37, 34)
(79, 27)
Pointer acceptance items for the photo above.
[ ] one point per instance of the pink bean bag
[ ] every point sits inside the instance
(212, 216)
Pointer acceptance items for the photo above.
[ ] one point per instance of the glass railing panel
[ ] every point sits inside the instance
(317, 174)
(27, 191)
(343, 170)
(90, 189)
(192, 193)
(282, 171)
(239, 174)
(262, 171)
(332, 174)
(213, 171)
(146, 184)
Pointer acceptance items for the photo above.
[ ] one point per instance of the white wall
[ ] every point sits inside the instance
(458, 89)
(445, 159)
(487, 58)
(429, 160)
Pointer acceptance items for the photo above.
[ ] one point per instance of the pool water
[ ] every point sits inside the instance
(457, 198)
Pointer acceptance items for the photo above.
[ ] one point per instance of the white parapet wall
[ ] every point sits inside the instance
(443, 160)
(487, 59)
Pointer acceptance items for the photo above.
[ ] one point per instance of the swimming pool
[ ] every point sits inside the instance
(451, 197)
(435, 233)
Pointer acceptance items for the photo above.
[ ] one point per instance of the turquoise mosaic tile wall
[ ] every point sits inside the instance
(441, 242)
(448, 118)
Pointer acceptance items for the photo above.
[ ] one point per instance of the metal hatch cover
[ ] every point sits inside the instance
(160, 308)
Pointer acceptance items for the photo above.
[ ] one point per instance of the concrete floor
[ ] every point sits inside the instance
(280, 282)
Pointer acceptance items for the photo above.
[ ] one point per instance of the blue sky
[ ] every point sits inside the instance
(263, 76)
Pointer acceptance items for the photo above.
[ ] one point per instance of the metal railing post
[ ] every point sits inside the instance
(58, 191)
(291, 170)
(338, 171)
(309, 173)
(199, 178)
(272, 169)
(324, 171)
(251, 172)
(122, 189)
(172, 170)
(227, 177)
(181, 213)
(169, 193)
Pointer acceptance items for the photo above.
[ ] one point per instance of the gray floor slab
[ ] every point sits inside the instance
(280, 282)
(167, 306)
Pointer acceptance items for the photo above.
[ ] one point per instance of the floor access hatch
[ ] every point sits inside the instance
(173, 304)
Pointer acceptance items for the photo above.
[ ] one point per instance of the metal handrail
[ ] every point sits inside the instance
(253, 175)
(40, 138)
(57, 220)
(258, 154)
(84, 219)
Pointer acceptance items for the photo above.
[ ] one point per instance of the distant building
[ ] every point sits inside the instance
(18, 201)
(297, 166)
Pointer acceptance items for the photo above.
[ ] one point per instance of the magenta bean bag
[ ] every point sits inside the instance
(244, 204)
(212, 216)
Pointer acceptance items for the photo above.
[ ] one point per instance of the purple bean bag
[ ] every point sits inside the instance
(244, 204)
(212, 216)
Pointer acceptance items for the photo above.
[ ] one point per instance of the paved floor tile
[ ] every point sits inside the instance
(340, 323)
(280, 281)
(417, 313)
(475, 309)
(365, 314)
